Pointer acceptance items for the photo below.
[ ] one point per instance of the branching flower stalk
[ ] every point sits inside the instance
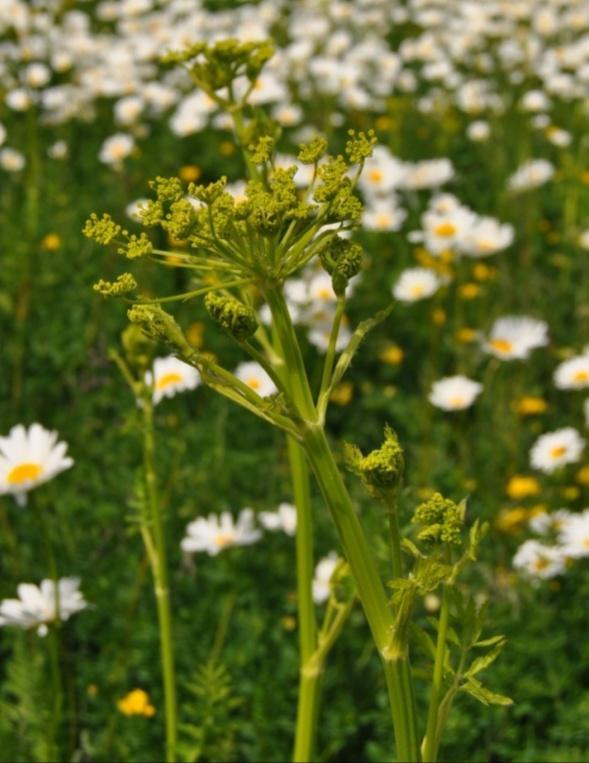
(151, 525)
(240, 253)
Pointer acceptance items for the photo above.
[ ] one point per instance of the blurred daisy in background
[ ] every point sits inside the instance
(36, 606)
(284, 518)
(415, 284)
(28, 458)
(170, 376)
(216, 533)
(538, 560)
(252, 374)
(454, 393)
(574, 535)
(514, 337)
(573, 373)
(555, 449)
(322, 578)
(531, 174)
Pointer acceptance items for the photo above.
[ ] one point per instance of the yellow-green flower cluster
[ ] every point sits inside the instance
(441, 520)
(237, 319)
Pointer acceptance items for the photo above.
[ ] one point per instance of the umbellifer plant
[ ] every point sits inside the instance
(240, 253)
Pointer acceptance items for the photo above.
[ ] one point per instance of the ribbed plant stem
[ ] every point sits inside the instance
(309, 680)
(356, 549)
(160, 579)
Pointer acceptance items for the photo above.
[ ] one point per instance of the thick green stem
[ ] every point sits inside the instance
(160, 578)
(356, 549)
(430, 743)
(309, 681)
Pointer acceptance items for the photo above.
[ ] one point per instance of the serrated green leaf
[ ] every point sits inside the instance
(476, 689)
(410, 548)
(401, 583)
(485, 660)
(490, 641)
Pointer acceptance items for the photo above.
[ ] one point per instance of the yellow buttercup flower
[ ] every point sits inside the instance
(226, 148)
(583, 475)
(391, 354)
(522, 486)
(439, 316)
(530, 406)
(383, 123)
(342, 394)
(469, 290)
(511, 520)
(136, 702)
(51, 242)
(190, 173)
(570, 492)
(483, 272)
(466, 335)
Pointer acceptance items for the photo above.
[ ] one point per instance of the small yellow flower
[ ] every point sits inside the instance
(510, 521)
(227, 148)
(447, 256)
(439, 316)
(391, 354)
(522, 486)
(531, 406)
(190, 173)
(585, 177)
(483, 272)
(383, 123)
(469, 290)
(466, 335)
(424, 258)
(570, 492)
(583, 475)
(136, 702)
(51, 242)
(289, 623)
(342, 394)
(195, 333)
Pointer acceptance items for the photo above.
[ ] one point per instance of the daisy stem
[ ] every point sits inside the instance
(309, 683)
(160, 579)
(356, 548)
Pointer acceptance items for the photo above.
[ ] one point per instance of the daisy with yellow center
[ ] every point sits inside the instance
(555, 449)
(573, 373)
(28, 458)
(252, 374)
(170, 376)
(415, 284)
(454, 393)
(514, 337)
(215, 533)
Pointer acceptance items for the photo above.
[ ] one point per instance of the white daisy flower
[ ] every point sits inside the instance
(540, 561)
(28, 458)
(170, 376)
(429, 173)
(573, 373)
(319, 337)
(116, 148)
(447, 229)
(322, 578)
(12, 160)
(530, 175)
(36, 605)
(486, 237)
(514, 337)
(252, 374)
(574, 535)
(284, 518)
(478, 130)
(545, 523)
(554, 449)
(415, 284)
(215, 533)
(383, 215)
(382, 172)
(454, 393)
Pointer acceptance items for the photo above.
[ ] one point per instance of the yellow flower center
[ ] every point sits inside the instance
(223, 539)
(416, 290)
(324, 293)
(581, 377)
(167, 380)
(24, 473)
(558, 451)
(541, 563)
(458, 401)
(254, 383)
(375, 175)
(485, 245)
(383, 220)
(446, 229)
(501, 345)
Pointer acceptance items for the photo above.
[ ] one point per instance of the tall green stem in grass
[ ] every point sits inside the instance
(154, 538)
(309, 679)
(432, 737)
(356, 549)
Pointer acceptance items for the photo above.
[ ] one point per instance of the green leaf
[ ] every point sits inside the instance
(485, 660)
(424, 641)
(489, 641)
(410, 548)
(401, 583)
(476, 689)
